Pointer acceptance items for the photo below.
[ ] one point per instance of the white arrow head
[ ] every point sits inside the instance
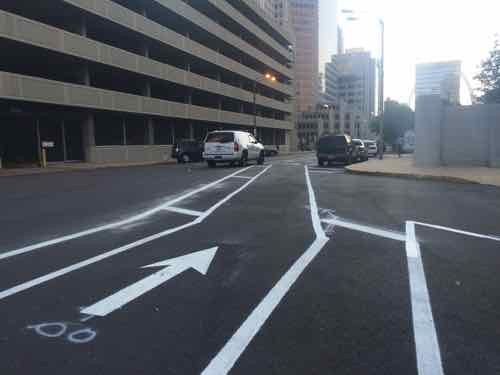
(200, 261)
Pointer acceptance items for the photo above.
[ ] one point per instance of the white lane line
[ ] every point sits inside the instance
(466, 233)
(393, 235)
(27, 249)
(243, 177)
(225, 359)
(330, 171)
(184, 211)
(318, 229)
(424, 330)
(228, 197)
(63, 271)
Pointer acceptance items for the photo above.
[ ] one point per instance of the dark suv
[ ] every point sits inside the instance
(336, 148)
(188, 150)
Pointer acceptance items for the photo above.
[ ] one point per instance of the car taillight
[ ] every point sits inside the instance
(236, 147)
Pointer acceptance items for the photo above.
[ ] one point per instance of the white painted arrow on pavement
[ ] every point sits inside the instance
(200, 261)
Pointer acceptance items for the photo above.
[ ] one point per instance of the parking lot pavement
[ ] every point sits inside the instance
(285, 268)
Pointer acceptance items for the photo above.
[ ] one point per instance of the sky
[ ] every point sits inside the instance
(416, 31)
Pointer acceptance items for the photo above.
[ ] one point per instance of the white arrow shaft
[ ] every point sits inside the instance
(130, 293)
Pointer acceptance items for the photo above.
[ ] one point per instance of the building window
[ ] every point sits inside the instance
(136, 131)
(109, 130)
(162, 133)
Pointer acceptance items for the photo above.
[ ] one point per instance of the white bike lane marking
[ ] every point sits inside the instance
(66, 270)
(226, 358)
(424, 330)
(164, 206)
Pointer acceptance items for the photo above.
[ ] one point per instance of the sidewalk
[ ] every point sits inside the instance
(70, 167)
(404, 167)
(82, 166)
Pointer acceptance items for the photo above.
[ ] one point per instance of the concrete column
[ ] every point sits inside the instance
(146, 89)
(84, 74)
(494, 135)
(428, 129)
(88, 132)
(150, 130)
(124, 133)
(191, 130)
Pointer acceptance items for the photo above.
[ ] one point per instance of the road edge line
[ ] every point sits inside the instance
(424, 330)
(227, 357)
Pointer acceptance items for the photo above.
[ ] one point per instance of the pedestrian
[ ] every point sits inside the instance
(399, 146)
(380, 147)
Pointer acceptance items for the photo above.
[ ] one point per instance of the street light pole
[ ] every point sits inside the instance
(381, 89)
(255, 108)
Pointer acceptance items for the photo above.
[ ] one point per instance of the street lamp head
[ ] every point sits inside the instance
(273, 78)
(268, 76)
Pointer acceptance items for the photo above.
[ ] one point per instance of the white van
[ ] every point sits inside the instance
(233, 147)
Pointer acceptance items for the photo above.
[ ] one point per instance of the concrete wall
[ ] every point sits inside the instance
(456, 135)
(117, 154)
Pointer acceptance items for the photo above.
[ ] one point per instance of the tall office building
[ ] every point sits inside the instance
(281, 11)
(304, 21)
(439, 78)
(267, 6)
(114, 80)
(351, 78)
(340, 41)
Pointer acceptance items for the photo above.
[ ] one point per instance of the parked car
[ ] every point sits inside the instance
(362, 151)
(188, 150)
(371, 148)
(232, 147)
(336, 148)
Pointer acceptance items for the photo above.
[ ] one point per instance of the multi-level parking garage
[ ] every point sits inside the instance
(122, 80)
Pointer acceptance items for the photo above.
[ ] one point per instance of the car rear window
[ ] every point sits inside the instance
(220, 137)
(332, 141)
(358, 143)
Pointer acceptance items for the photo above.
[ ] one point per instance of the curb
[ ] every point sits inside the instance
(49, 170)
(417, 177)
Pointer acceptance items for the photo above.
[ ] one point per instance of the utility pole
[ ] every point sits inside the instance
(381, 89)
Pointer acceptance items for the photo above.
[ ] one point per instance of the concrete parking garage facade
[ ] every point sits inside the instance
(111, 81)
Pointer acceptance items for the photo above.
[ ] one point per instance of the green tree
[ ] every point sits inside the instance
(489, 77)
(398, 118)
(374, 125)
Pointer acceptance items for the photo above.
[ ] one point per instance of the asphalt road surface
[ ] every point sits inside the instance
(285, 268)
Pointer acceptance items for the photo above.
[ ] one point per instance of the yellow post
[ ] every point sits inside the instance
(44, 158)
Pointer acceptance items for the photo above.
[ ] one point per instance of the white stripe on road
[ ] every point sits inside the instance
(367, 229)
(243, 177)
(63, 271)
(466, 233)
(424, 330)
(27, 249)
(184, 211)
(223, 362)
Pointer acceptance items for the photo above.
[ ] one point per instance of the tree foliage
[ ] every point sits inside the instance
(398, 118)
(489, 77)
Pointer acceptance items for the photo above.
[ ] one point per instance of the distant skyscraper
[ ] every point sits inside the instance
(281, 11)
(340, 41)
(266, 5)
(440, 78)
(351, 78)
(304, 19)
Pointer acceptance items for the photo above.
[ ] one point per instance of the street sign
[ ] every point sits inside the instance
(47, 144)
(200, 261)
